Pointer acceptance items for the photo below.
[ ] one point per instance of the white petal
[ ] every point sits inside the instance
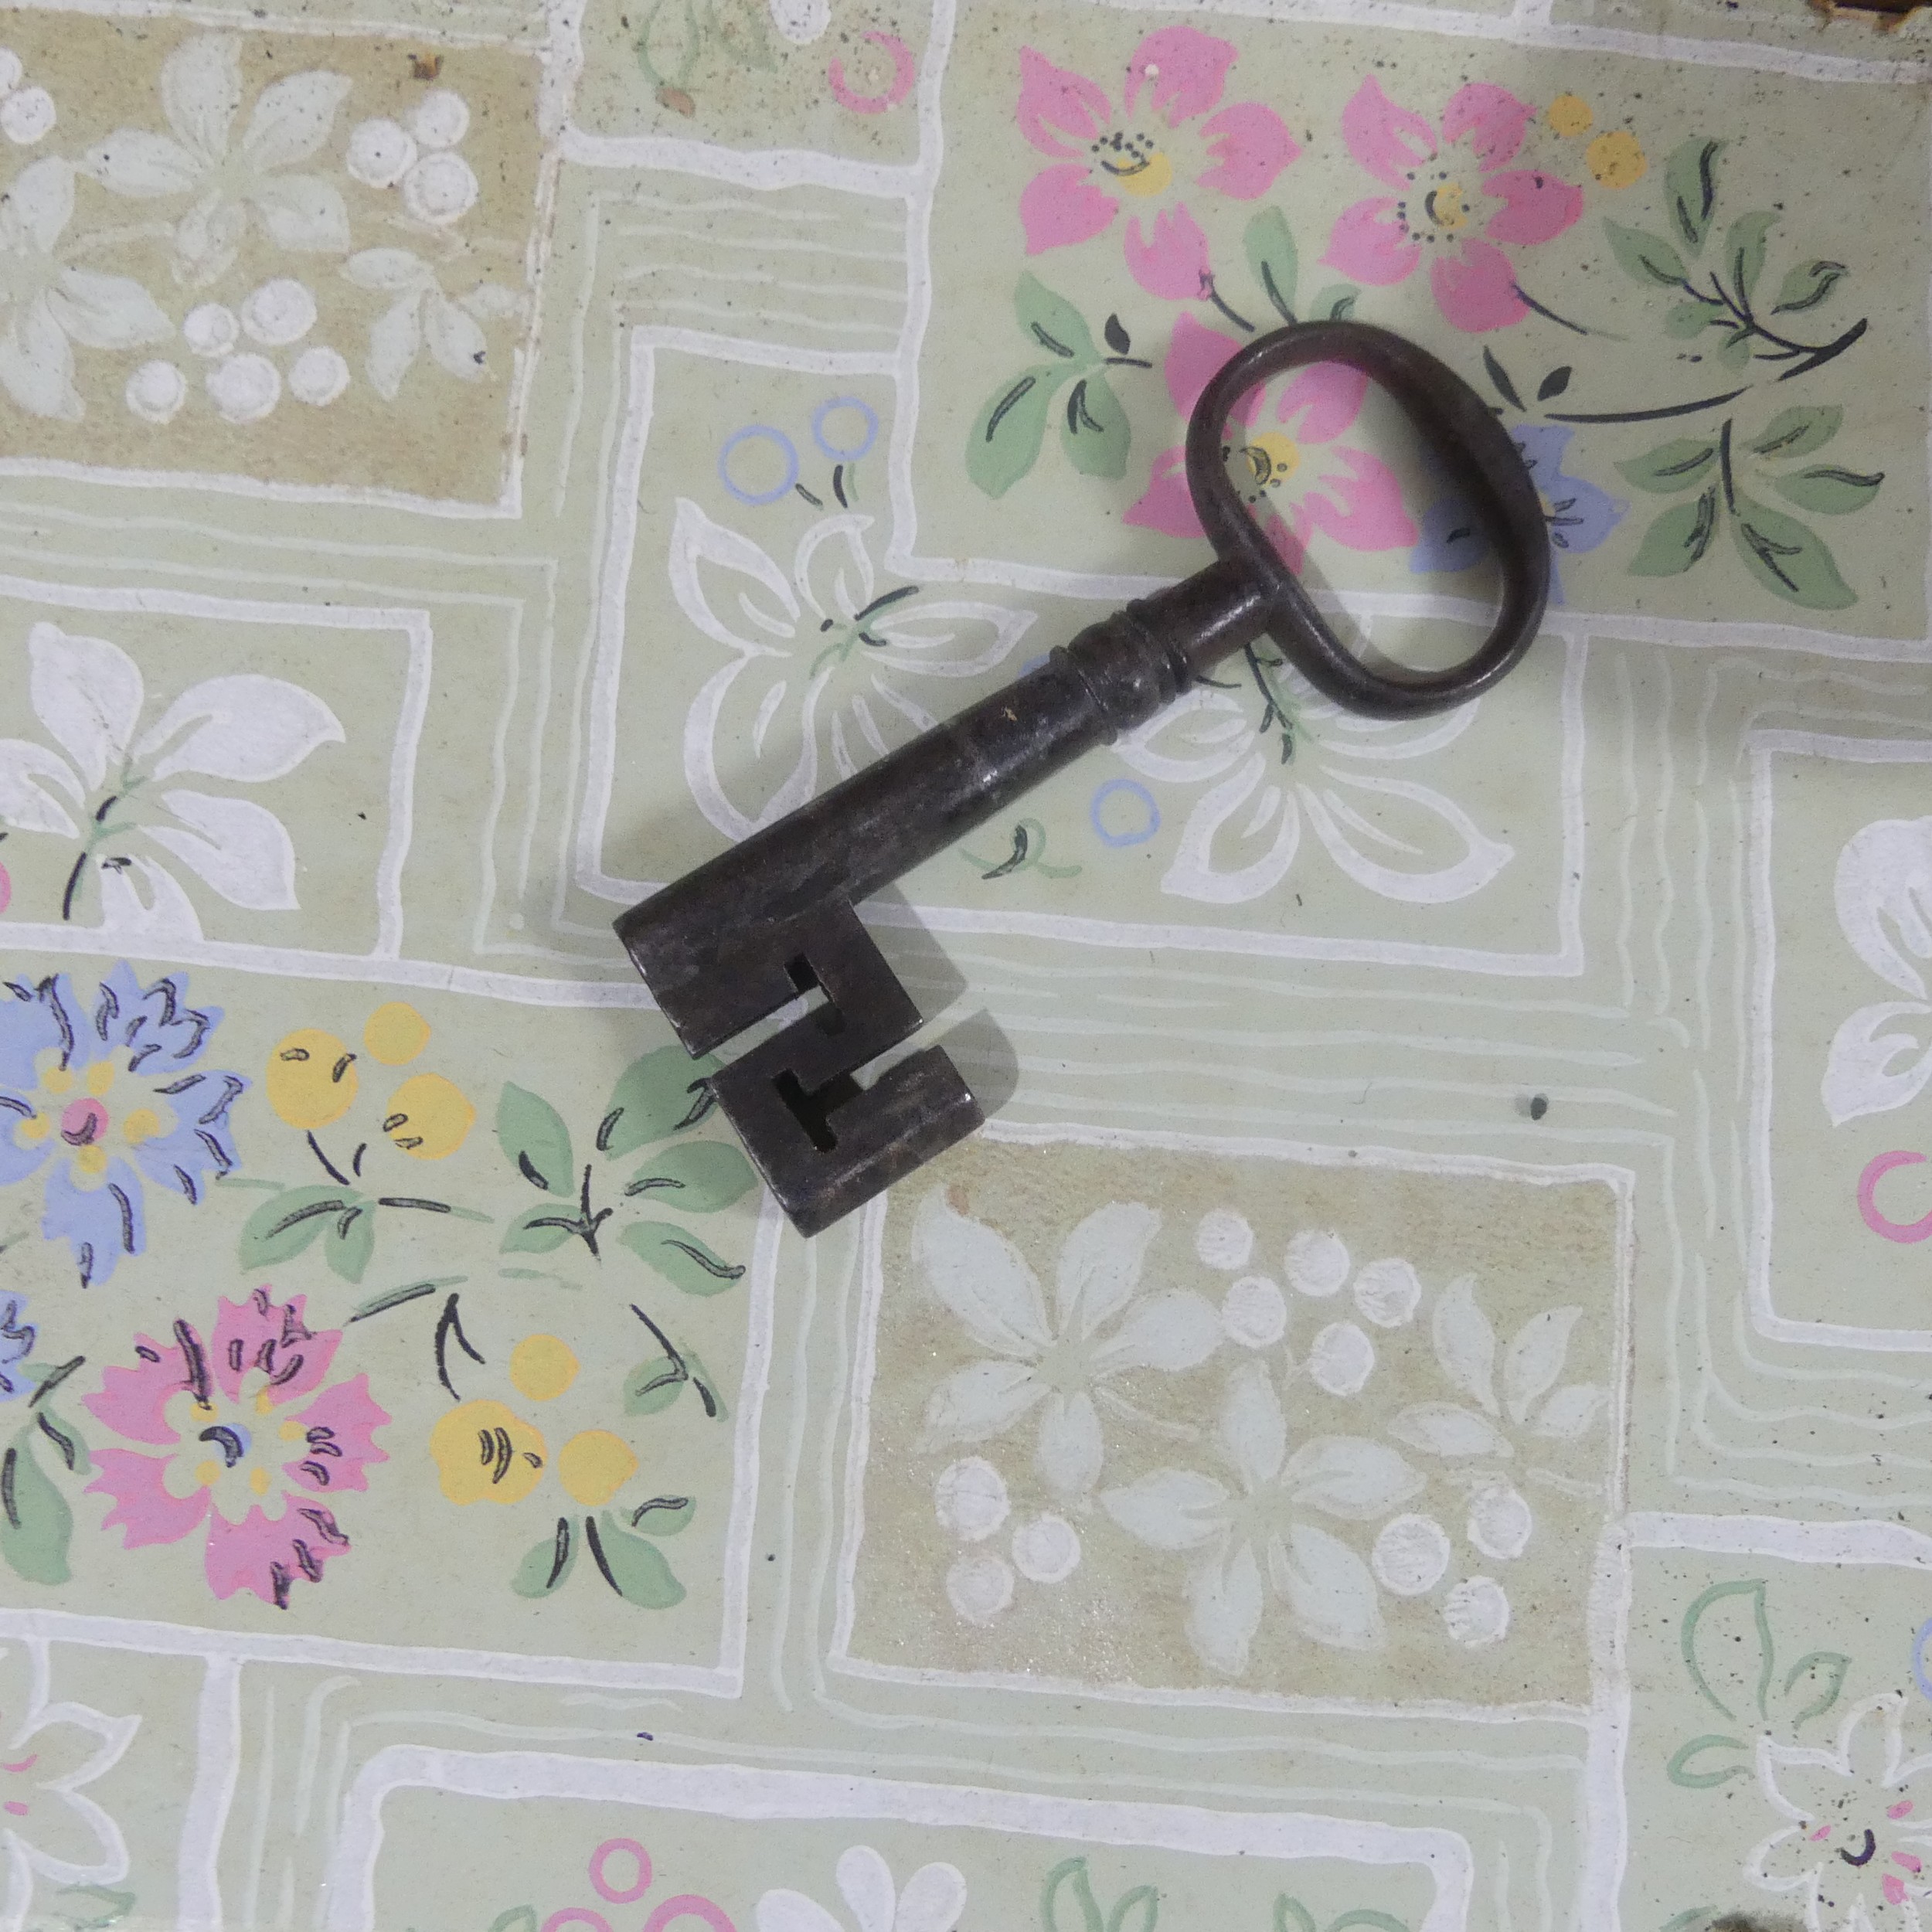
(387, 268)
(1070, 1449)
(207, 238)
(26, 806)
(455, 337)
(1411, 1556)
(440, 119)
(28, 116)
(979, 1586)
(981, 1277)
(1387, 1293)
(380, 153)
(1341, 1360)
(1169, 1509)
(201, 90)
(1884, 878)
(1862, 1073)
(1173, 1330)
(1500, 1522)
(1252, 1432)
(1534, 1359)
(88, 693)
(1047, 1550)
(770, 772)
(132, 162)
(1327, 1588)
(970, 1499)
(948, 639)
(1254, 1312)
(1317, 1263)
(1196, 738)
(786, 1911)
(801, 22)
(1477, 1613)
(830, 568)
(211, 329)
(243, 849)
(703, 553)
(167, 914)
(244, 388)
(394, 337)
(304, 211)
(1465, 1343)
(491, 301)
(974, 1404)
(156, 391)
(40, 199)
(106, 311)
(1441, 1429)
(1350, 1477)
(440, 190)
(1198, 872)
(292, 118)
(1571, 1412)
(1100, 1265)
(934, 1899)
(1224, 1608)
(866, 1881)
(1224, 1239)
(280, 311)
(36, 364)
(1429, 822)
(256, 728)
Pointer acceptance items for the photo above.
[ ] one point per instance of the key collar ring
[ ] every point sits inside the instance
(1483, 465)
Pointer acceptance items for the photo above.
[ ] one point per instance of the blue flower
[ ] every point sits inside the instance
(17, 1338)
(1580, 514)
(105, 1094)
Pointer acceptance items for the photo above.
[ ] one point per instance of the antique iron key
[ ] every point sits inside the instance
(748, 932)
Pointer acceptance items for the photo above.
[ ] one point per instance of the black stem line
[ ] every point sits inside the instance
(1649, 415)
(1549, 315)
(1830, 352)
(53, 1379)
(678, 1362)
(596, 1550)
(1129, 362)
(333, 1172)
(1724, 467)
(1210, 293)
(73, 883)
(449, 1323)
(355, 1166)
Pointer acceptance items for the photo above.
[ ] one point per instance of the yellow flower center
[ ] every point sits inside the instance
(486, 1453)
(312, 1078)
(100, 1078)
(1447, 206)
(428, 1118)
(1616, 158)
(542, 1367)
(32, 1132)
(595, 1465)
(395, 1033)
(57, 1079)
(142, 1124)
(1149, 174)
(92, 1158)
(1273, 456)
(1569, 114)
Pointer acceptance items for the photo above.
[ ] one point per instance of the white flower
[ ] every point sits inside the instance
(46, 307)
(201, 93)
(318, 376)
(1047, 1550)
(1883, 896)
(970, 1499)
(840, 661)
(1397, 838)
(211, 328)
(1341, 1360)
(1476, 1613)
(1385, 1292)
(934, 1897)
(1410, 1556)
(279, 312)
(440, 190)
(440, 119)
(1327, 1588)
(1254, 1312)
(89, 697)
(421, 312)
(1855, 1840)
(244, 388)
(28, 114)
(156, 391)
(1102, 1327)
(380, 153)
(979, 1586)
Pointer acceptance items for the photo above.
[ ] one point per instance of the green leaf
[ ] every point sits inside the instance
(537, 1230)
(64, 1440)
(285, 1223)
(1690, 189)
(1734, 351)
(1334, 304)
(35, 1523)
(1829, 491)
(548, 1567)
(351, 1240)
(1645, 258)
(1686, 319)
(655, 1097)
(1290, 1915)
(519, 1918)
(1138, 1910)
(1678, 539)
(1004, 440)
(533, 1136)
(1831, 1666)
(1067, 1903)
(1270, 244)
(1744, 252)
(701, 1377)
(1095, 433)
(698, 1176)
(1679, 1771)
(634, 1566)
(678, 1255)
(1797, 432)
(1370, 1919)
(1746, 1654)
(1670, 467)
(664, 1516)
(1807, 286)
(654, 1385)
(1789, 558)
(1052, 323)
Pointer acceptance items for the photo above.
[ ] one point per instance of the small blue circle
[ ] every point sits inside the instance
(831, 448)
(758, 430)
(1140, 834)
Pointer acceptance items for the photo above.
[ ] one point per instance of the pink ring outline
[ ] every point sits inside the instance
(605, 1891)
(576, 1915)
(1876, 1170)
(903, 69)
(687, 1905)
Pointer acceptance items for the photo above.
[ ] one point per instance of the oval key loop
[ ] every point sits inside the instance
(1472, 447)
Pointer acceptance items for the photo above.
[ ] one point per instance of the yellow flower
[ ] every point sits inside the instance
(486, 1453)
(542, 1367)
(395, 1033)
(1569, 114)
(1616, 159)
(594, 1466)
(312, 1078)
(428, 1118)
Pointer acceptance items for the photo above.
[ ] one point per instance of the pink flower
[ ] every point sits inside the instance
(1301, 477)
(1176, 76)
(254, 1437)
(1450, 210)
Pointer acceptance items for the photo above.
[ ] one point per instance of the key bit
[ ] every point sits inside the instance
(743, 935)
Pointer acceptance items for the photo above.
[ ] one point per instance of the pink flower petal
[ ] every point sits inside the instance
(1476, 291)
(1357, 502)
(144, 1508)
(131, 1401)
(1369, 245)
(1194, 356)
(1388, 141)
(261, 1334)
(1166, 504)
(1328, 397)
(1893, 1889)
(268, 1557)
(1493, 118)
(351, 1419)
(1174, 263)
(1060, 206)
(1902, 1809)
(1250, 146)
(1054, 101)
(1537, 207)
(1187, 70)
